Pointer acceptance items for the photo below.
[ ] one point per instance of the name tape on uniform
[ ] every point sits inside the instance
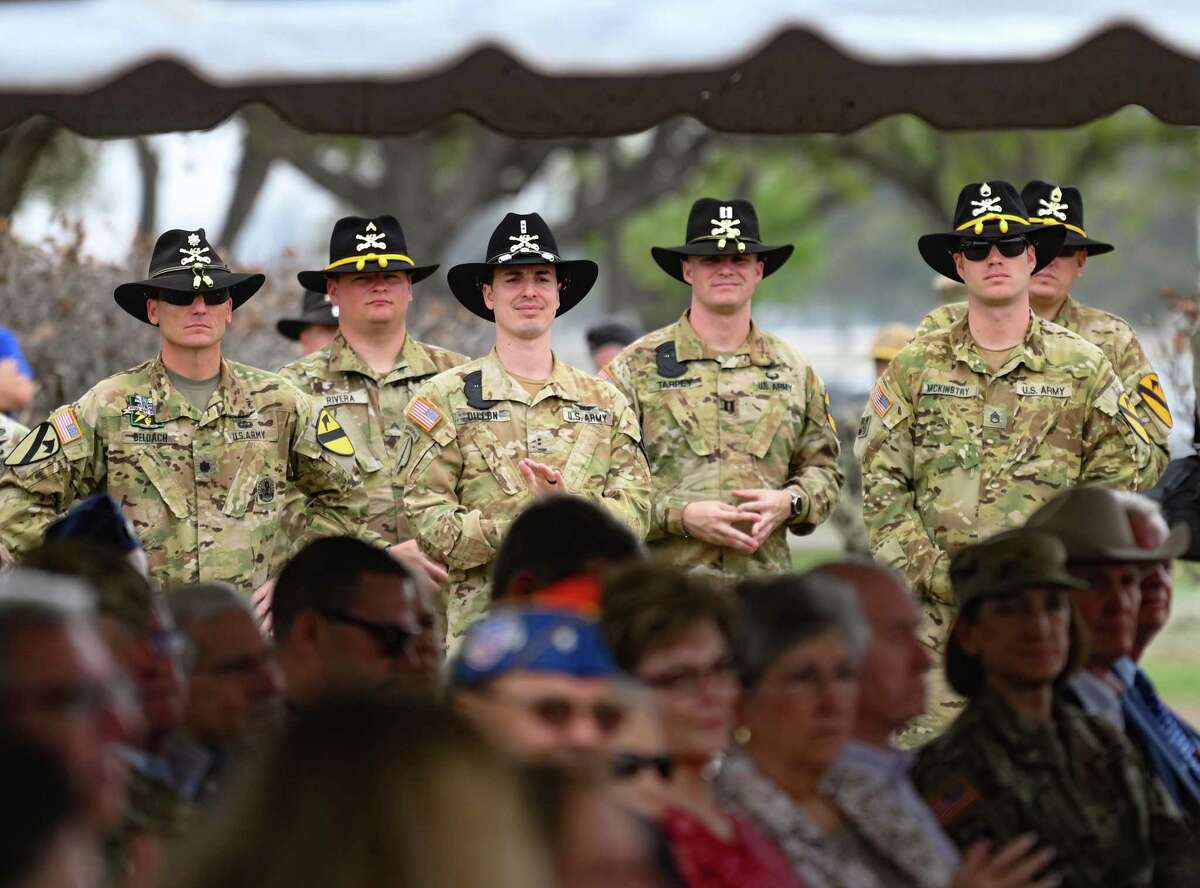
(1154, 398)
(339, 398)
(949, 389)
(331, 436)
(1043, 390)
(465, 416)
(131, 437)
(668, 384)
(39, 444)
(423, 414)
(596, 417)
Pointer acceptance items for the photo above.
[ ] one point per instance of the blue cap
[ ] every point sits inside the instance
(532, 640)
(99, 520)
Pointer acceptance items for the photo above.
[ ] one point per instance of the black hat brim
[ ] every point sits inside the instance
(669, 258)
(1093, 247)
(935, 248)
(576, 277)
(315, 280)
(132, 296)
(291, 328)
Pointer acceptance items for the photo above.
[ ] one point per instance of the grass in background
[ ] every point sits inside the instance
(1173, 659)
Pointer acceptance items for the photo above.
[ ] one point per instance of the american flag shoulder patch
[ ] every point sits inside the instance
(66, 425)
(880, 402)
(423, 414)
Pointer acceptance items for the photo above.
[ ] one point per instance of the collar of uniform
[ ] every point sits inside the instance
(234, 397)
(690, 347)
(1068, 315)
(499, 385)
(412, 360)
(1033, 351)
(1026, 740)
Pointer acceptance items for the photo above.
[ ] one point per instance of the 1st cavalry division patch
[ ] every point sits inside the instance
(40, 444)
(332, 436)
(1131, 418)
(1151, 392)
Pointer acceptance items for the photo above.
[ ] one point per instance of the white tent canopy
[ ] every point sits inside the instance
(578, 68)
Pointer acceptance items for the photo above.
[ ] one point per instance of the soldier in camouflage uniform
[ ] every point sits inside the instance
(1021, 761)
(487, 436)
(367, 375)
(847, 517)
(736, 423)
(974, 426)
(198, 451)
(1051, 299)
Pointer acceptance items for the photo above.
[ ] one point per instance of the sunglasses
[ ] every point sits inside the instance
(626, 765)
(183, 300)
(978, 250)
(392, 639)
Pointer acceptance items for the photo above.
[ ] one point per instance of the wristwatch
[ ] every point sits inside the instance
(797, 503)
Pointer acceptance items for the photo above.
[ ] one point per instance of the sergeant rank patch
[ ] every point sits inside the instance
(40, 444)
(332, 436)
(1155, 399)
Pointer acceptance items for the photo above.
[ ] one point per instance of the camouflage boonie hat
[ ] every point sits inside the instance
(889, 340)
(1008, 563)
(1093, 524)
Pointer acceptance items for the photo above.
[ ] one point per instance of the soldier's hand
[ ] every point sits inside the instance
(410, 553)
(1016, 865)
(769, 509)
(261, 599)
(541, 479)
(715, 523)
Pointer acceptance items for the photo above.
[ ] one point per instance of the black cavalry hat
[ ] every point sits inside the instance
(185, 262)
(366, 245)
(315, 309)
(720, 227)
(522, 239)
(1061, 205)
(991, 211)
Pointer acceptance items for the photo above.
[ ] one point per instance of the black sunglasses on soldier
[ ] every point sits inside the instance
(978, 250)
(185, 299)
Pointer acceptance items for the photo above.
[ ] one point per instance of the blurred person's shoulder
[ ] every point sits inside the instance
(443, 358)
(314, 365)
(941, 317)
(641, 354)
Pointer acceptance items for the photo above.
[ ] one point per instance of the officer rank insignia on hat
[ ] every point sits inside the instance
(1155, 399)
(1131, 418)
(331, 436)
(40, 444)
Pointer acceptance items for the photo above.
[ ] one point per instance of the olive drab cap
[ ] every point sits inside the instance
(1093, 524)
(889, 340)
(989, 210)
(366, 246)
(1009, 563)
(1050, 204)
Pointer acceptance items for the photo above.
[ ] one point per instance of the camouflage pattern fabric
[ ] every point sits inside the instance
(847, 517)
(1120, 345)
(758, 418)
(11, 432)
(464, 488)
(953, 453)
(204, 489)
(1076, 783)
(370, 408)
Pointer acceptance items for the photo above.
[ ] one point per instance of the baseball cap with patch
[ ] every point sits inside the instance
(512, 639)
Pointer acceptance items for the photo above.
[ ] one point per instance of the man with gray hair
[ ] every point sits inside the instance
(234, 683)
(61, 688)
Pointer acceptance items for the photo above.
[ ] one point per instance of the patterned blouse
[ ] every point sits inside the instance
(748, 859)
(881, 845)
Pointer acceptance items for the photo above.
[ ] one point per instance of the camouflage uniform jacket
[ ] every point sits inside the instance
(952, 453)
(757, 419)
(1076, 783)
(11, 432)
(370, 408)
(1120, 345)
(203, 488)
(471, 426)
